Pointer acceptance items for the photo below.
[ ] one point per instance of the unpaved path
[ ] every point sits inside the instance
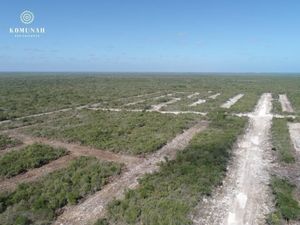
(214, 96)
(76, 149)
(93, 207)
(199, 102)
(149, 110)
(244, 198)
(294, 129)
(159, 106)
(193, 95)
(285, 104)
(34, 174)
(89, 105)
(232, 101)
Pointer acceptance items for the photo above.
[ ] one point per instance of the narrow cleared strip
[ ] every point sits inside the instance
(78, 150)
(199, 102)
(214, 96)
(232, 101)
(285, 104)
(244, 197)
(159, 106)
(149, 110)
(193, 95)
(294, 129)
(94, 207)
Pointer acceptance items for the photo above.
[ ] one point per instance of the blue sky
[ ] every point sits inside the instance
(153, 35)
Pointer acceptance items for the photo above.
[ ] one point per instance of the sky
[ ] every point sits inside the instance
(153, 36)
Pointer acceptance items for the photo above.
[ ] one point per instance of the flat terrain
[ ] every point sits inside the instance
(149, 149)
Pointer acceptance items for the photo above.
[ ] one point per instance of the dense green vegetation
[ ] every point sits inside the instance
(135, 133)
(7, 142)
(168, 196)
(37, 203)
(26, 94)
(287, 207)
(32, 156)
(281, 140)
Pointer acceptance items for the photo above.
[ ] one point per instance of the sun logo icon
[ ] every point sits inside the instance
(27, 17)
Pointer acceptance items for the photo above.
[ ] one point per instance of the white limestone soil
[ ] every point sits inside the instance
(199, 102)
(245, 197)
(232, 101)
(285, 104)
(214, 96)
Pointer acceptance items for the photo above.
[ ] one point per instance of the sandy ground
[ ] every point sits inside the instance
(214, 96)
(199, 102)
(93, 207)
(150, 110)
(285, 104)
(244, 198)
(159, 106)
(232, 101)
(193, 95)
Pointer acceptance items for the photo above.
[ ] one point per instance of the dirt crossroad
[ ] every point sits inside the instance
(94, 207)
(244, 196)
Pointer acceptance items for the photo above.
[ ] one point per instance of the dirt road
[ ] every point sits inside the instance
(94, 206)
(232, 101)
(285, 104)
(76, 149)
(198, 102)
(244, 197)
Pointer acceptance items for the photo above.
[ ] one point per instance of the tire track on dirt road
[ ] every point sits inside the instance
(94, 206)
(244, 198)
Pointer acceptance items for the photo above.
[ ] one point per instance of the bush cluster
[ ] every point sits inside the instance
(31, 156)
(37, 202)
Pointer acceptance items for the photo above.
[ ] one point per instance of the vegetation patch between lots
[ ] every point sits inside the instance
(168, 196)
(132, 132)
(31, 156)
(7, 142)
(281, 140)
(287, 207)
(38, 202)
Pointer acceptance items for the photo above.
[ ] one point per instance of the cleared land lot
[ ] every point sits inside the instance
(142, 150)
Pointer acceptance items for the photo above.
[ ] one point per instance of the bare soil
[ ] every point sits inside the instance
(198, 102)
(93, 207)
(285, 104)
(232, 101)
(159, 106)
(244, 197)
(193, 95)
(214, 96)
